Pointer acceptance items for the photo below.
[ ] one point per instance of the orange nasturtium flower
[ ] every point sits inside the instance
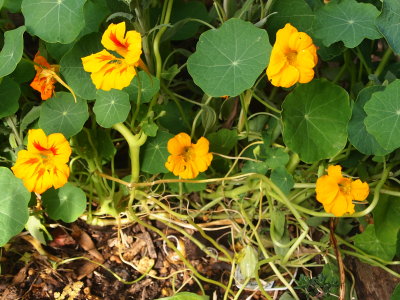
(187, 159)
(293, 58)
(336, 192)
(44, 163)
(108, 70)
(44, 80)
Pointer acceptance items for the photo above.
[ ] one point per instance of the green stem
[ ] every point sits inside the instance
(156, 45)
(134, 143)
(384, 61)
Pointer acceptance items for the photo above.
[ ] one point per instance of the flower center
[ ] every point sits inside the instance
(345, 186)
(292, 57)
(188, 154)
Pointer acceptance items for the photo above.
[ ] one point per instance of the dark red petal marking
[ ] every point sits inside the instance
(117, 43)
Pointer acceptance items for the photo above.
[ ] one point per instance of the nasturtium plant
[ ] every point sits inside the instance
(315, 118)
(12, 50)
(155, 153)
(388, 24)
(13, 205)
(348, 21)
(111, 107)
(62, 114)
(383, 116)
(228, 60)
(54, 21)
(358, 134)
(149, 86)
(66, 203)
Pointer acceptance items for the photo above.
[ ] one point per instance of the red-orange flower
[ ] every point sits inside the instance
(44, 163)
(187, 159)
(44, 80)
(337, 193)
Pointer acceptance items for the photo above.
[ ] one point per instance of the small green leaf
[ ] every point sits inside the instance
(111, 107)
(383, 116)
(259, 167)
(208, 117)
(66, 203)
(30, 117)
(72, 68)
(155, 153)
(283, 179)
(149, 86)
(185, 296)
(149, 128)
(278, 220)
(276, 157)
(54, 21)
(386, 219)
(315, 118)
(396, 293)
(347, 21)
(13, 205)
(296, 12)
(61, 114)
(223, 140)
(95, 12)
(228, 60)
(12, 50)
(389, 25)
(13, 6)
(9, 96)
(248, 261)
(359, 137)
(35, 228)
(24, 72)
(370, 244)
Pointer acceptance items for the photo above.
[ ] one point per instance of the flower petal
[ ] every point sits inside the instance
(95, 62)
(116, 75)
(327, 189)
(359, 190)
(335, 172)
(178, 144)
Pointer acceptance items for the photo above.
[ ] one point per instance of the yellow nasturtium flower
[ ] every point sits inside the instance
(108, 70)
(337, 193)
(44, 163)
(187, 159)
(293, 58)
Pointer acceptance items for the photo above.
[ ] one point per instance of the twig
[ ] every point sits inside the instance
(342, 293)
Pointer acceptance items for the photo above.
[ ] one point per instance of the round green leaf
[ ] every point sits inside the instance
(389, 25)
(296, 12)
(72, 68)
(66, 203)
(276, 158)
(61, 114)
(54, 20)
(283, 179)
(12, 50)
(359, 137)
(149, 86)
(223, 140)
(347, 21)
(383, 116)
(9, 96)
(13, 205)
(111, 107)
(315, 118)
(229, 59)
(155, 153)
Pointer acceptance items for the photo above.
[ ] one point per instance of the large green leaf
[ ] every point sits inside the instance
(72, 68)
(155, 153)
(389, 25)
(111, 107)
(347, 21)
(315, 118)
(9, 96)
(54, 20)
(296, 12)
(387, 221)
(13, 205)
(358, 134)
(383, 116)
(66, 203)
(369, 243)
(61, 114)
(95, 12)
(228, 60)
(12, 50)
